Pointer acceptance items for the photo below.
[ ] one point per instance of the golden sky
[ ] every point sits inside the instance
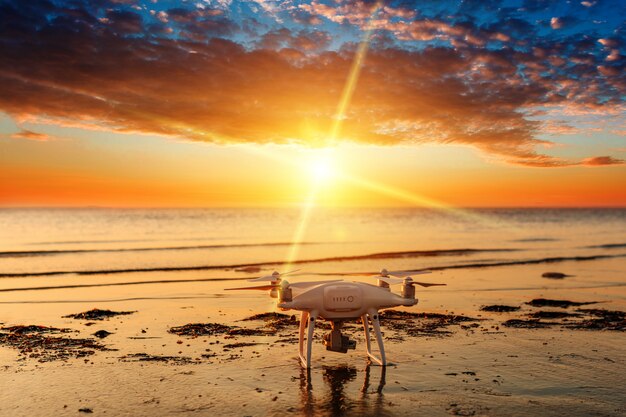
(370, 103)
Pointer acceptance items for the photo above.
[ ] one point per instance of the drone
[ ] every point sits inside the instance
(338, 301)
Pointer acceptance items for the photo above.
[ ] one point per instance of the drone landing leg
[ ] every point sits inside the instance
(373, 314)
(366, 327)
(306, 319)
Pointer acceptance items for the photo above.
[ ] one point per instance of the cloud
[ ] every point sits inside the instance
(303, 40)
(30, 135)
(124, 21)
(597, 161)
(283, 86)
(609, 42)
(562, 22)
(556, 23)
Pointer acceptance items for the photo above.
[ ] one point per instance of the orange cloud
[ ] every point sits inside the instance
(30, 135)
(286, 89)
(602, 161)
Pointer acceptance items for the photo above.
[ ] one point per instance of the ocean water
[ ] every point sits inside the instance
(82, 242)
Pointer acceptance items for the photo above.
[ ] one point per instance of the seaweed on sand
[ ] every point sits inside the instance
(544, 302)
(200, 329)
(144, 357)
(498, 308)
(38, 343)
(97, 314)
(552, 315)
(275, 321)
(527, 324)
(213, 329)
(422, 324)
(605, 320)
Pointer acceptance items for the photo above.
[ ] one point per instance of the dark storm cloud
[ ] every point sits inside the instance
(122, 21)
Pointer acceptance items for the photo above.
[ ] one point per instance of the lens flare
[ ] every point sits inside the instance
(322, 168)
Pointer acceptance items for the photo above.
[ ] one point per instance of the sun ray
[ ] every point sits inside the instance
(298, 236)
(426, 202)
(353, 77)
(340, 114)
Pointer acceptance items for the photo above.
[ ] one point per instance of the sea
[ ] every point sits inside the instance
(73, 248)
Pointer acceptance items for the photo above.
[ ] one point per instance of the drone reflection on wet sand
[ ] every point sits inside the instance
(338, 401)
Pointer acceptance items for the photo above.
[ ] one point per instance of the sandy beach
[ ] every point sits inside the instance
(482, 345)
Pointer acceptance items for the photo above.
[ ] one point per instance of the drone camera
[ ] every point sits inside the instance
(337, 342)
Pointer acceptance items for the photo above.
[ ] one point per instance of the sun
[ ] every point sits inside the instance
(322, 168)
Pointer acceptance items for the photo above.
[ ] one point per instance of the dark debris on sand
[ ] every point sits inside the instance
(268, 316)
(544, 302)
(34, 329)
(498, 308)
(144, 357)
(102, 334)
(212, 329)
(38, 343)
(97, 314)
(200, 329)
(604, 320)
(554, 275)
(526, 324)
(582, 319)
(275, 321)
(422, 324)
(552, 315)
(239, 345)
(238, 331)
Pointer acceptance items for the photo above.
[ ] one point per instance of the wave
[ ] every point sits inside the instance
(195, 268)
(116, 300)
(530, 261)
(381, 255)
(175, 281)
(536, 239)
(80, 242)
(117, 284)
(492, 264)
(19, 254)
(608, 246)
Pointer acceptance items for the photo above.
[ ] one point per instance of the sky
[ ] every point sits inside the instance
(272, 103)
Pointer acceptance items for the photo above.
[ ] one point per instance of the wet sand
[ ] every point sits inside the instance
(451, 356)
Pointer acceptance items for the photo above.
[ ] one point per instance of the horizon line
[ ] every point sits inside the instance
(293, 206)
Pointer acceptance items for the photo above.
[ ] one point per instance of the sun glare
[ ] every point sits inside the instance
(322, 168)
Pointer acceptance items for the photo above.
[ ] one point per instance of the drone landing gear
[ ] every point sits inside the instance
(306, 320)
(373, 316)
(335, 341)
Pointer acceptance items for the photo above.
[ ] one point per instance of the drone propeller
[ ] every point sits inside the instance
(284, 284)
(410, 281)
(400, 277)
(391, 280)
(259, 287)
(402, 274)
(276, 276)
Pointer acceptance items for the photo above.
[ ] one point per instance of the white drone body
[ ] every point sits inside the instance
(338, 301)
